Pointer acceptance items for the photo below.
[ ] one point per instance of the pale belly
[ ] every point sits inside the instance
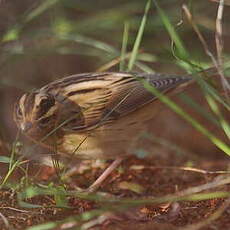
(109, 141)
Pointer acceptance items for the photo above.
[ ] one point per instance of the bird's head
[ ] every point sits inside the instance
(36, 113)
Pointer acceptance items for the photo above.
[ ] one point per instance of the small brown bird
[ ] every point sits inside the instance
(94, 115)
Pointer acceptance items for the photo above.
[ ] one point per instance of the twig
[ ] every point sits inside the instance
(217, 62)
(185, 169)
(15, 209)
(5, 221)
(97, 221)
(220, 46)
(218, 181)
(219, 32)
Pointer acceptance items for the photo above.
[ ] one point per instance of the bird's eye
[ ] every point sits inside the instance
(45, 105)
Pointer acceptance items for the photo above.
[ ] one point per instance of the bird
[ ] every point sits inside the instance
(95, 115)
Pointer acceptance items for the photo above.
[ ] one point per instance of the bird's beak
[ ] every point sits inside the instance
(26, 126)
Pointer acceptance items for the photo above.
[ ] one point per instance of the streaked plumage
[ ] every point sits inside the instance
(106, 109)
(93, 115)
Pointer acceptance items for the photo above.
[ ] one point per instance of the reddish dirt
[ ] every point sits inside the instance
(150, 179)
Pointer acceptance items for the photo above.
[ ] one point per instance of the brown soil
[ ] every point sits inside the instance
(135, 179)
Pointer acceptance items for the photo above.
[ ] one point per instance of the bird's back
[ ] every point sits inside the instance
(122, 116)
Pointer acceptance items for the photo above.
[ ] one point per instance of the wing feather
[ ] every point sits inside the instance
(104, 97)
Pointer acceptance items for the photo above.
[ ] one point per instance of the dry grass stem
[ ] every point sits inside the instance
(186, 169)
(218, 63)
(5, 221)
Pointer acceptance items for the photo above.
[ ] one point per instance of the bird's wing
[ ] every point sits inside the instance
(129, 93)
(107, 96)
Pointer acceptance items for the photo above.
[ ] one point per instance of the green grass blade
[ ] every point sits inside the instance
(90, 42)
(224, 124)
(217, 97)
(199, 108)
(45, 226)
(215, 140)
(182, 52)
(124, 46)
(139, 37)
(40, 9)
(14, 32)
(5, 159)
